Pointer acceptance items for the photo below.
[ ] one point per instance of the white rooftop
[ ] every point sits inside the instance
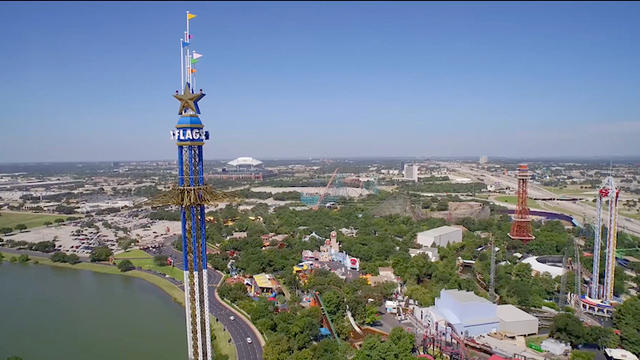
(440, 230)
(244, 161)
(464, 296)
(542, 268)
(620, 354)
(511, 313)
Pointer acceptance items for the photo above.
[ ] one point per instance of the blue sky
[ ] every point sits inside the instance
(93, 81)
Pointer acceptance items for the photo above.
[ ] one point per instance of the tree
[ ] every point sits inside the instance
(59, 256)
(403, 340)
(21, 227)
(73, 259)
(100, 253)
(603, 336)
(160, 260)
(125, 243)
(125, 265)
(47, 223)
(58, 220)
(43, 246)
(23, 258)
(371, 315)
(582, 355)
(627, 319)
(233, 292)
(567, 327)
(6, 230)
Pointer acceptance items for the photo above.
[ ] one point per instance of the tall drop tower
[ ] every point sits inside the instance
(609, 192)
(600, 299)
(192, 194)
(521, 226)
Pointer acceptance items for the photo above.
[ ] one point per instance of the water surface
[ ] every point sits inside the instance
(49, 313)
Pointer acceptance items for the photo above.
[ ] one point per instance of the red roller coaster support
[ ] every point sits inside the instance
(521, 226)
(326, 188)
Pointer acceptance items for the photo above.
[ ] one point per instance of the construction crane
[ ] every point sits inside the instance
(326, 188)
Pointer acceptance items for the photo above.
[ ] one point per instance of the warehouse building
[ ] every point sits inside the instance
(515, 322)
(469, 313)
(472, 315)
(441, 236)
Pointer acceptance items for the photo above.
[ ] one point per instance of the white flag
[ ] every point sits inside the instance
(196, 55)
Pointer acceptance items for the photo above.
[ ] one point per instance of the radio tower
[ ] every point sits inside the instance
(521, 226)
(191, 195)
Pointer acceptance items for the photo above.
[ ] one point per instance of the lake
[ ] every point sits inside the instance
(49, 313)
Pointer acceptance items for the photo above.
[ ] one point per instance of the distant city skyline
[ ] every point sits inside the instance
(93, 81)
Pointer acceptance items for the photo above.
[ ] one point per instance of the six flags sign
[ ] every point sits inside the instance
(189, 135)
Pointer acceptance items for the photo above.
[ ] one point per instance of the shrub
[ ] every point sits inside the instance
(160, 260)
(100, 253)
(73, 259)
(58, 256)
(125, 265)
(23, 258)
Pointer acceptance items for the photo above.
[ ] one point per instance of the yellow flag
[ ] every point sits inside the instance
(190, 16)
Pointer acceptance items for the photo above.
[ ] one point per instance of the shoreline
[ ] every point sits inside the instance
(165, 285)
(174, 292)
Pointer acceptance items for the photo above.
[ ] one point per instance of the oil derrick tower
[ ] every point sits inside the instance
(191, 195)
(609, 192)
(521, 226)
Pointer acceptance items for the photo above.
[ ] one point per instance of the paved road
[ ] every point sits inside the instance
(238, 328)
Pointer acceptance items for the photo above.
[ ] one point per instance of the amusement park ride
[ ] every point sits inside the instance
(521, 226)
(600, 299)
(338, 187)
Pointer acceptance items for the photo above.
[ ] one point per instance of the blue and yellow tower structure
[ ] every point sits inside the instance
(191, 195)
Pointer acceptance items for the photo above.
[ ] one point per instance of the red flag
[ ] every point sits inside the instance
(190, 36)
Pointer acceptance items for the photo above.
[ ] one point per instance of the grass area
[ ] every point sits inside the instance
(513, 199)
(536, 339)
(133, 254)
(147, 263)
(222, 337)
(31, 220)
(221, 342)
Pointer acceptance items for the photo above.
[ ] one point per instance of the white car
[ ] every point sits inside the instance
(249, 340)
(231, 318)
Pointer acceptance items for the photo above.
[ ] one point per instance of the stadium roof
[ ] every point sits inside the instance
(244, 161)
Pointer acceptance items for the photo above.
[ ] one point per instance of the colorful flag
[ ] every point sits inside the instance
(196, 55)
(185, 43)
(190, 16)
(190, 36)
(193, 70)
(193, 61)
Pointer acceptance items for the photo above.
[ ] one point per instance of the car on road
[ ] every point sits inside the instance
(249, 340)
(231, 318)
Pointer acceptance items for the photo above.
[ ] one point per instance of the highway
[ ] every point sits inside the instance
(238, 328)
(576, 209)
